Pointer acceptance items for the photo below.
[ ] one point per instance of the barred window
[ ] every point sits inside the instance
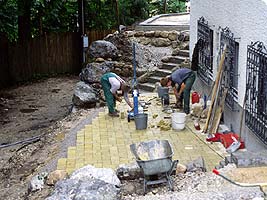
(205, 36)
(230, 75)
(256, 90)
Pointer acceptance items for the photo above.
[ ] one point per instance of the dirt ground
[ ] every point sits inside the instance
(38, 110)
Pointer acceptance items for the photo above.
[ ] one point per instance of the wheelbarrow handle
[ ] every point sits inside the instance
(174, 165)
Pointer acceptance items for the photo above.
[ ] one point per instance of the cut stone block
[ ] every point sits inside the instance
(249, 159)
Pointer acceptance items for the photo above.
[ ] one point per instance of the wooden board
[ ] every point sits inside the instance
(218, 114)
(215, 89)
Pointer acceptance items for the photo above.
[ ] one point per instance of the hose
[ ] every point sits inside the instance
(29, 140)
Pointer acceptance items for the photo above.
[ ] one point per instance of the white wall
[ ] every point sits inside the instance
(247, 19)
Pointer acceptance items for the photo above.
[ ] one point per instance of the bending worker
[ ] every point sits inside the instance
(185, 78)
(111, 83)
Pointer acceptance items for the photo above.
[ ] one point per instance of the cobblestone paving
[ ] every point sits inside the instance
(105, 142)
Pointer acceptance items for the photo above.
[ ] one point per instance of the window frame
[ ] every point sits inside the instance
(230, 75)
(205, 54)
(256, 88)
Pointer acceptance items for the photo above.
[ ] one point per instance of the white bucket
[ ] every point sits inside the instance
(178, 121)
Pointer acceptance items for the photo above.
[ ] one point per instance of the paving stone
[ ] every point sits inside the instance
(105, 142)
(249, 159)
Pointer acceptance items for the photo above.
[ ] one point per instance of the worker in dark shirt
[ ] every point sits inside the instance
(184, 78)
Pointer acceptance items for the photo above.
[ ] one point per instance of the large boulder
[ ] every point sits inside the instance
(103, 49)
(160, 42)
(93, 71)
(84, 189)
(85, 95)
(105, 174)
(88, 183)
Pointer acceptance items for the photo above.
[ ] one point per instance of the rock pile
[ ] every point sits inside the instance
(115, 53)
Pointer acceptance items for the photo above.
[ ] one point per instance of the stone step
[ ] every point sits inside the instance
(153, 79)
(162, 72)
(169, 66)
(183, 53)
(150, 87)
(173, 59)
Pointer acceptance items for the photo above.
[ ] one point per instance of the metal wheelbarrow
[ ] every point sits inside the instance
(155, 158)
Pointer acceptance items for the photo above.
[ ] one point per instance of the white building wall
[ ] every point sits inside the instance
(247, 20)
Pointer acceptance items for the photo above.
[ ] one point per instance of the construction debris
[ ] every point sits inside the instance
(55, 176)
(164, 125)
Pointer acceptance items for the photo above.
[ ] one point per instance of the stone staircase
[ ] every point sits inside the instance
(169, 64)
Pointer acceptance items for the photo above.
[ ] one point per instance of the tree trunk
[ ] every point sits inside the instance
(118, 15)
(165, 6)
(24, 20)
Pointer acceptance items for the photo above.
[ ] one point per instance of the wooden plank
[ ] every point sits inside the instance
(218, 114)
(215, 88)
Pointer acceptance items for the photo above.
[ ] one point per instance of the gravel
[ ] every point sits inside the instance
(196, 186)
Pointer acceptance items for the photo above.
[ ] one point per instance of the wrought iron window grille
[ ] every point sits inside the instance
(256, 90)
(230, 75)
(205, 66)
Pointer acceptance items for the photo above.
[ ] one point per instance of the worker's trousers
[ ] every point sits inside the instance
(108, 95)
(189, 81)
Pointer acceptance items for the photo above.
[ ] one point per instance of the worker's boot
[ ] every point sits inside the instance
(114, 114)
(117, 111)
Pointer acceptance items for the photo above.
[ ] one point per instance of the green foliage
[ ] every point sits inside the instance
(133, 10)
(175, 6)
(156, 7)
(53, 16)
(100, 14)
(62, 15)
(8, 18)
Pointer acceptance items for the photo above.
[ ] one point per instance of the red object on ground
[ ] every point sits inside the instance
(216, 138)
(195, 97)
(196, 125)
(226, 140)
(215, 171)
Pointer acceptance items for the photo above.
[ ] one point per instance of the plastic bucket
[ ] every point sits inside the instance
(163, 91)
(178, 121)
(165, 100)
(140, 121)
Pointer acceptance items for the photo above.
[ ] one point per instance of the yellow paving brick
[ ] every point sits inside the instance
(105, 142)
(88, 148)
(98, 165)
(70, 170)
(71, 163)
(71, 152)
(97, 155)
(62, 163)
